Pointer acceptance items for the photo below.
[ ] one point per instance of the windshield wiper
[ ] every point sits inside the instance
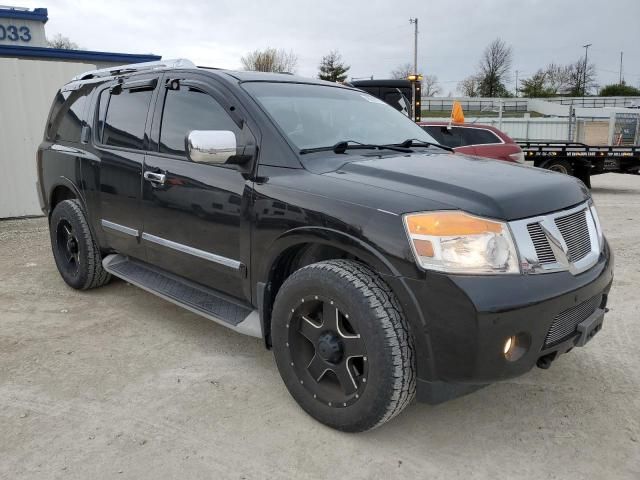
(411, 142)
(344, 145)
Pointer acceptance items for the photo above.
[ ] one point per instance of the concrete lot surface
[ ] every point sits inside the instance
(116, 383)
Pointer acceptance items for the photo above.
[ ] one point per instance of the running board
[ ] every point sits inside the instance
(196, 298)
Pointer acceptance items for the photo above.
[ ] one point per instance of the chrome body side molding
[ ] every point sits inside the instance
(119, 228)
(212, 257)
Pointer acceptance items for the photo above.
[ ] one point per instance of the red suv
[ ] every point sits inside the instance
(473, 139)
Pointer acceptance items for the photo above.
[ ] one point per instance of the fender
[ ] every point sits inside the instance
(365, 251)
(330, 237)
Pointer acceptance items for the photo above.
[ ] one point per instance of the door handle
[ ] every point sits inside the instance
(156, 178)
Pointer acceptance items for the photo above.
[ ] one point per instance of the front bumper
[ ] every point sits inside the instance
(465, 320)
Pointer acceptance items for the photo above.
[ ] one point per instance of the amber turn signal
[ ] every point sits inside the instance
(450, 223)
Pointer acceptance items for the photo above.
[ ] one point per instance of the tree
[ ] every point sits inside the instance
(332, 68)
(494, 68)
(430, 86)
(537, 85)
(619, 90)
(270, 60)
(58, 41)
(401, 72)
(470, 86)
(580, 78)
(557, 78)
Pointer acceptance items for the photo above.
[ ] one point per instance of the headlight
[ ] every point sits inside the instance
(457, 242)
(596, 222)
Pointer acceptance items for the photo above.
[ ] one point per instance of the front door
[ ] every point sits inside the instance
(120, 140)
(193, 212)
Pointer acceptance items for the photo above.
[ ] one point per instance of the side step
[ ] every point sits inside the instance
(196, 298)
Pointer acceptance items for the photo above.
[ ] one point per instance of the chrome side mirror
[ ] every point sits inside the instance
(211, 146)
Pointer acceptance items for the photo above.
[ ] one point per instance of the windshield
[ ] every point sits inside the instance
(315, 116)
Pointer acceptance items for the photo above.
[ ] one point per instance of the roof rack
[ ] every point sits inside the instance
(135, 67)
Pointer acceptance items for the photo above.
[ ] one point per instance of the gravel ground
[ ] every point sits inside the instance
(116, 383)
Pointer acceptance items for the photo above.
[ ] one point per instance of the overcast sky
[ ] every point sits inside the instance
(374, 36)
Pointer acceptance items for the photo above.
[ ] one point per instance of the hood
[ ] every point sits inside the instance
(485, 187)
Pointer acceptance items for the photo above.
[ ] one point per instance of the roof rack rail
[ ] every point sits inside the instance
(135, 67)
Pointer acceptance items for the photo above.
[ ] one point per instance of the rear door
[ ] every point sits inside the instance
(196, 221)
(120, 141)
(485, 143)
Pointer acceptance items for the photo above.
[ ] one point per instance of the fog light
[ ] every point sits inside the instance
(508, 345)
(516, 346)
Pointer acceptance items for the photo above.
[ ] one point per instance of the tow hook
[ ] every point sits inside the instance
(545, 361)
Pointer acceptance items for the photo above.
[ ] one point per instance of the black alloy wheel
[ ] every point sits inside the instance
(343, 346)
(67, 248)
(327, 353)
(75, 251)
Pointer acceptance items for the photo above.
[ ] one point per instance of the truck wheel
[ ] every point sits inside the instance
(560, 166)
(75, 251)
(342, 345)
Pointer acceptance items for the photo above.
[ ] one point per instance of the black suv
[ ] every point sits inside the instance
(374, 262)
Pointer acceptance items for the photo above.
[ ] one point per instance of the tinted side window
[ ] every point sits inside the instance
(123, 116)
(190, 109)
(445, 136)
(477, 136)
(67, 116)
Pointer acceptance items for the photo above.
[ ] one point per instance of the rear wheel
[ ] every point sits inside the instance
(75, 251)
(342, 345)
(558, 165)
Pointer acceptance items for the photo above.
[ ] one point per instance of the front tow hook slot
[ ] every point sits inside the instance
(545, 361)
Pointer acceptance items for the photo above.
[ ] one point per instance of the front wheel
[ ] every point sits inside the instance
(343, 346)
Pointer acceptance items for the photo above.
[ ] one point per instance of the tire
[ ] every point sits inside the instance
(560, 166)
(343, 346)
(75, 251)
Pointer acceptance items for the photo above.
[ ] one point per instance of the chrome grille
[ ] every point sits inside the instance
(565, 324)
(565, 240)
(576, 234)
(541, 244)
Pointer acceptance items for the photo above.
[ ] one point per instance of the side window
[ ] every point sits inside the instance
(435, 132)
(67, 118)
(477, 136)
(189, 109)
(445, 136)
(122, 117)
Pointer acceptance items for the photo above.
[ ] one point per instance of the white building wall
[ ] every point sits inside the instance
(27, 88)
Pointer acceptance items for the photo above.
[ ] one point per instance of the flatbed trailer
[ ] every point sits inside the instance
(581, 160)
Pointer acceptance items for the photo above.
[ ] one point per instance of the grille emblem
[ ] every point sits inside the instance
(557, 244)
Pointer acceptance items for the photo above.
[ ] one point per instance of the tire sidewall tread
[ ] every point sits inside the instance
(368, 299)
(91, 273)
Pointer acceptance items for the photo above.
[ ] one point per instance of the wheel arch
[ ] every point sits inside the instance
(303, 246)
(63, 189)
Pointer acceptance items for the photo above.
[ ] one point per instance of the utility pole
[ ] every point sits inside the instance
(621, 53)
(415, 100)
(584, 74)
(414, 21)
(516, 83)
